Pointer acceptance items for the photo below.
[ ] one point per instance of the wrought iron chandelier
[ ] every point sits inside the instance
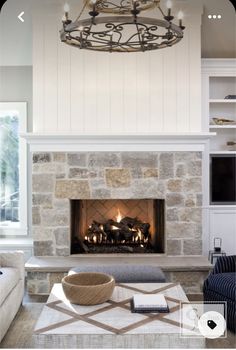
(123, 30)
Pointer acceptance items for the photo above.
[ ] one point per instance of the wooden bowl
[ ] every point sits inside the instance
(88, 288)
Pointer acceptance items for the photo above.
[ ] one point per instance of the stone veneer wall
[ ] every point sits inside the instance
(173, 176)
(192, 281)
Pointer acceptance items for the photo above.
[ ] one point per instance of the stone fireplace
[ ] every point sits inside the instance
(59, 180)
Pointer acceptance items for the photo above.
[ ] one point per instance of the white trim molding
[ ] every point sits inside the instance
(21, 228)
(219, 66)
(117, 142)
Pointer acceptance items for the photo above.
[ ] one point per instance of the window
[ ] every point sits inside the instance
(13, 169)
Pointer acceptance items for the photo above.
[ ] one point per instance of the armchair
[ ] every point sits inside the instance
(220, 285)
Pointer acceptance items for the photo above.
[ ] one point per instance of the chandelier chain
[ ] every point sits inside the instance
(160, 9)
(83, 8)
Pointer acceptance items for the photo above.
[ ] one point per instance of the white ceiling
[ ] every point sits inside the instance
(218, 36)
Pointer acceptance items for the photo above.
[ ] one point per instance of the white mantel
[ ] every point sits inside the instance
(118, 142)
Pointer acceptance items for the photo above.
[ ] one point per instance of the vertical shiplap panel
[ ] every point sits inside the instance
(117, 92)
(156, 90)
(195, 77)
(64, 87)
(169, 89)
(103, 92)
(130, 93)
(38, 74)
(143, 107)
(51, 73)
(77, 90)
(92, 92)
(90, 88)
(182, 59)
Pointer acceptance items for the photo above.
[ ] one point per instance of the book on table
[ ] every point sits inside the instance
(149, 303)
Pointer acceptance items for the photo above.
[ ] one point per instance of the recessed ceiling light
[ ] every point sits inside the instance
(219, 16)
(214, 16)
(210, 16)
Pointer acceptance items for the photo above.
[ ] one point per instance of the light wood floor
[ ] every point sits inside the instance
(20, 332)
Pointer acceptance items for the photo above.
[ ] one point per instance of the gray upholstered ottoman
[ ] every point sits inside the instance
(126, 273)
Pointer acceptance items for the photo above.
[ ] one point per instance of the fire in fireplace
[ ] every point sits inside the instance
(117, 226)
(128, 231)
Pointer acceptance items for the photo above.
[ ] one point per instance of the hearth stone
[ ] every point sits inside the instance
(190, 272)
(173, 176)
(41, 284)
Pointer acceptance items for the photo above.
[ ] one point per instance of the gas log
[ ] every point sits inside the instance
(127, 230)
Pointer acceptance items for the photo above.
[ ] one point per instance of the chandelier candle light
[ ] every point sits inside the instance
(123, 30)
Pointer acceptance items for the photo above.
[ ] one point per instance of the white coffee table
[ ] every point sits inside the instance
(112, 325)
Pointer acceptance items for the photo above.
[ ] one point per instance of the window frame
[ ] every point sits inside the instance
(21, 228)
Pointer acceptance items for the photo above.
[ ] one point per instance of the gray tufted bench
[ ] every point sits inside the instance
(126, 273)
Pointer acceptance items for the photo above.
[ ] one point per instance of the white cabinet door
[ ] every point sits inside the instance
(223, 225)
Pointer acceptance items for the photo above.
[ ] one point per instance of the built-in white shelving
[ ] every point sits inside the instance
(218, 81)
(229, 126)
(223, 101)
(222, 152)
(218, 85)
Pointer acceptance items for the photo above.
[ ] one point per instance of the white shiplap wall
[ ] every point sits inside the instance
(83, 91)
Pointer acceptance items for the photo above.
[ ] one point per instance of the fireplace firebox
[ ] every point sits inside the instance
(117, 226)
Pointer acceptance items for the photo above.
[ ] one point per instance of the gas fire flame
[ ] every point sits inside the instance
(119, 216)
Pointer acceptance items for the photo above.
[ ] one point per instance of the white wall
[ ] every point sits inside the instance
(82, 91)
(16, 86)
(15, 36)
